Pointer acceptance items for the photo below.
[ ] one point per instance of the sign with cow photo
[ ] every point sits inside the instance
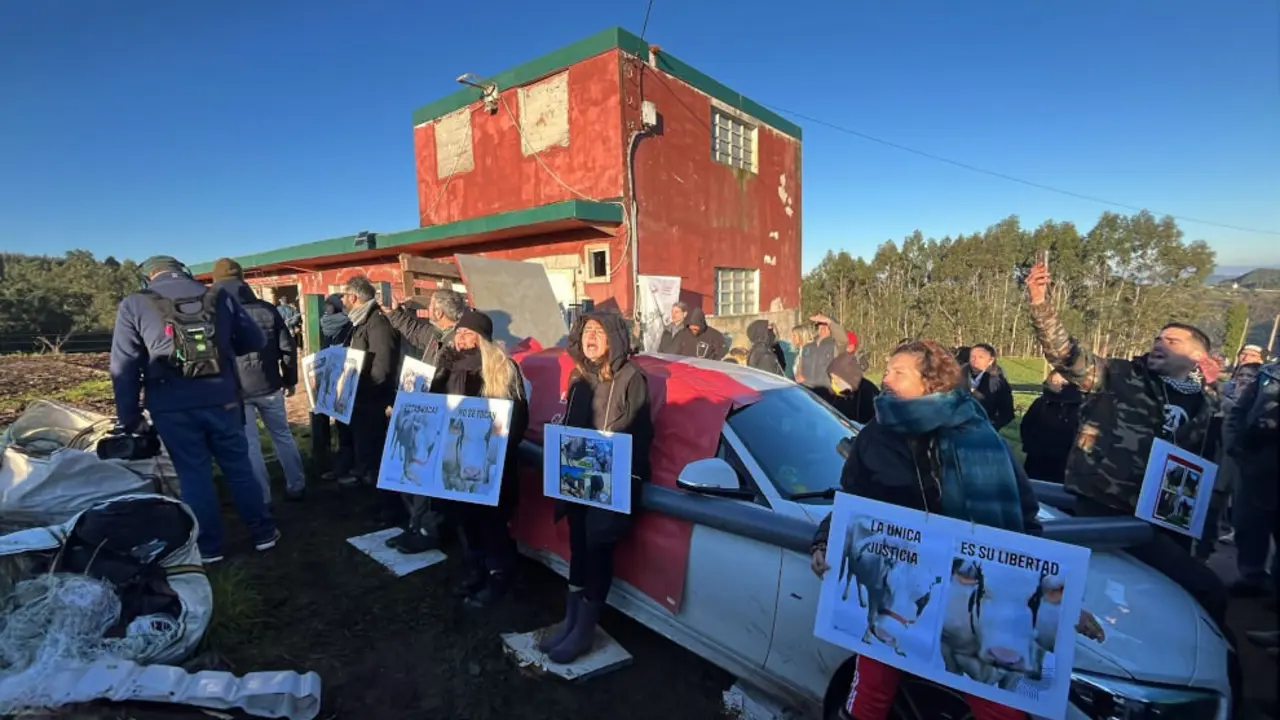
(1176, 489)
(588, 467)
(331, 377)
(415, 375)
(987, 612)
(446, 446)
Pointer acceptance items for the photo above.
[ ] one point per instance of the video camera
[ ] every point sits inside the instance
(121, 445)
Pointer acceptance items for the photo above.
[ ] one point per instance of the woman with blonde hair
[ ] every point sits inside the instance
(931, 448)
(475, 367)
(607, 392)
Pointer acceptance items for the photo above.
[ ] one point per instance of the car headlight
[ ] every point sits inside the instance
(1107, 698)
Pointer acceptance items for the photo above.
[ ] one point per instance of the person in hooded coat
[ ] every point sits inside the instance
(335, 329)
(1049, 428)
(852, 394)
(761, 356)
(474, 366)
(607, 392)
(700, 340)
(776, 346)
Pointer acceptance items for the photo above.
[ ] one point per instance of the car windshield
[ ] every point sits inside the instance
(795, 437)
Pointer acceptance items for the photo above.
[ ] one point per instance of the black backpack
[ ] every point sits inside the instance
(194, 334)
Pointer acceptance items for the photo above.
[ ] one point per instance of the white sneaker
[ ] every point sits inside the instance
(266, 545)
(211, 559)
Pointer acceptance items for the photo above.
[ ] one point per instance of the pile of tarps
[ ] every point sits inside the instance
(50, 470)
(121, 580)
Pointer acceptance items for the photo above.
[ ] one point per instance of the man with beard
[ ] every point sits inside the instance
(699, 339)
(429, 336)
(376, 391)
(1128, 404)
(1049, 429)
(989, 386)
(832, 341)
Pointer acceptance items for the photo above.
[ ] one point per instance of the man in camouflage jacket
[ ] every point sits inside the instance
(1254, 425)
(1128, 404)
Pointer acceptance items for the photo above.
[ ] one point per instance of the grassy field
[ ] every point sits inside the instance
(1026, 376)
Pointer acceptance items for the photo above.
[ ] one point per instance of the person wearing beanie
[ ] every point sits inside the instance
(193, 402)
(850, 392)
(474, 366)
(335, 330)
(267, 377)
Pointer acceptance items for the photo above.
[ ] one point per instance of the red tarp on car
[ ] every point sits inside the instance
(689, 407)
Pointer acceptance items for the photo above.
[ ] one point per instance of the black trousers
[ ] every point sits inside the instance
(487, 535)
(369, 426)
(322, 454)
(1170, 554)
(590, 563)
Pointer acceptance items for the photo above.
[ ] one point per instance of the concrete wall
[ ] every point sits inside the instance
(572, 119)
(697, 214)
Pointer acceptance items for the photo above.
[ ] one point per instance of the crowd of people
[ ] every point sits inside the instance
(929, 438)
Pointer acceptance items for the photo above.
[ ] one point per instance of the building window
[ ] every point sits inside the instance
(597, 263)
(733, 140)
(736, 291)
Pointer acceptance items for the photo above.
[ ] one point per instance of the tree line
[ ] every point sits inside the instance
(47, 301)
(1114, 286)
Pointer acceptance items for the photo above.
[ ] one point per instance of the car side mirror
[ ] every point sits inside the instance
(712, 476)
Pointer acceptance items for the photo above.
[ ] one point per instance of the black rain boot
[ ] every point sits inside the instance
(580, 638)
(477, 576)
(572, 604)
(414, 542)
(494, 589)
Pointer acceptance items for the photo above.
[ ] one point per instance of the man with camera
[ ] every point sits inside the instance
(179, 340)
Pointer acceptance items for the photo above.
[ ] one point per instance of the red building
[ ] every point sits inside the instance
(601, 160)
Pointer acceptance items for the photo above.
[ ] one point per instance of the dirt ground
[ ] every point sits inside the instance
(404, 648)
(80, 379)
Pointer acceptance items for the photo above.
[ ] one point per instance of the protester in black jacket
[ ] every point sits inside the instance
(1049, 429)
(852, 394)
(267, 377)
(335, 330)
(699, 339)
(761, 356)
(475, 367)
(433, 335)
(673, 332)
(989, 386)
(376, 391)
(610, 393)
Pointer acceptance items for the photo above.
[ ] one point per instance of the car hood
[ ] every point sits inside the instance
(1156, 632)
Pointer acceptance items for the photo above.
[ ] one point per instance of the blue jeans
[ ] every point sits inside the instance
(194, 438)
(271, 409)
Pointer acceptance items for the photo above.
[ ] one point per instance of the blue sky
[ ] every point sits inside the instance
(203, 128)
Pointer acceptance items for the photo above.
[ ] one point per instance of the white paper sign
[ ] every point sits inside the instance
(446, 446)
(988, 612)
(658, 294)
(1176, 489)
(331, 378)
(587, 467)
(415, 375)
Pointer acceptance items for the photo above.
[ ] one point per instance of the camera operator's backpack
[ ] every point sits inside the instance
(194, 334)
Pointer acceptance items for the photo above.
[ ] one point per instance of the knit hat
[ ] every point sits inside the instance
(227, 269)
(478, 323)
(161, 263)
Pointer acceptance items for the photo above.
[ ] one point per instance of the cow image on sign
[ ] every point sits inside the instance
(415, 375)
(332, 377)
(470, 459)
(890, 586)
(345, 395)
(416, 434)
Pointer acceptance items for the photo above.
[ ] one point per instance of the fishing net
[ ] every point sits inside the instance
(57, 620)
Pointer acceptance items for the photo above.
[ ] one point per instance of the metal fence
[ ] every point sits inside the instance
(90, 342)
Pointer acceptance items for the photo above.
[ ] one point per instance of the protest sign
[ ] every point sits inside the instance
(331, 378)
(446, 446)
(587, 467)
(1176, 489)
(658, 294)
(987, 612)
(415, 375)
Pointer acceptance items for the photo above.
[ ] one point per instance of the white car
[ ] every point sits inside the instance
(750, 597)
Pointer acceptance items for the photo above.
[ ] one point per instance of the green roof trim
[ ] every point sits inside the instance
(587, 211)
(613, 38)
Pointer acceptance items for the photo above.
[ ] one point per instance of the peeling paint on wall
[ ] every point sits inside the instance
(775, 305)
(784, 196)
(774, 235)
(770, 260)
(544, 114)
(453, 144)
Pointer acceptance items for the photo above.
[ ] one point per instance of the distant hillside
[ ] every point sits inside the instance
(1259, 279)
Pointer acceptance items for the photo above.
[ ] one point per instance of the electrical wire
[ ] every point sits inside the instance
(1011, 178)
(645, 26)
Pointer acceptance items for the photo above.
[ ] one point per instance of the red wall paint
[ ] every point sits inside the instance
(505, 179)
(697, 214)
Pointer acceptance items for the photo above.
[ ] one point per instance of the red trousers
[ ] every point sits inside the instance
(875, 685)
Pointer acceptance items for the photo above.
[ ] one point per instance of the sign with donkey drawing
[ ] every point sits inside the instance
(331, 377)
(587, 466)
(1176, 489)
(988, 612)
(415, 375)
(446, 446)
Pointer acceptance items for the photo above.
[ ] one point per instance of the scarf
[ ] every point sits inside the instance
(462, 372)
(362, 313)
(1190, 386)
(978, 480)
